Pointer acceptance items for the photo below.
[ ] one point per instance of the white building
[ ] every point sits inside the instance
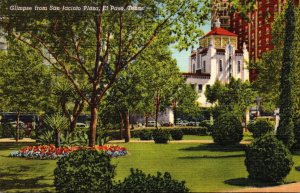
(217, 58)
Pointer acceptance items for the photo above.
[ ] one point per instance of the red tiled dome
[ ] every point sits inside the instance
(220, 31)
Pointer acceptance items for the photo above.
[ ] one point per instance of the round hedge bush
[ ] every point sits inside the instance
(145, 135)
(260, 127)
(139, 182)
(177, 134)
(227, 130)
(268, 160)
(160, 136)
(84, 171)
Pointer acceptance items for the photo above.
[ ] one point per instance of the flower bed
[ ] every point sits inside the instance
(52, 152)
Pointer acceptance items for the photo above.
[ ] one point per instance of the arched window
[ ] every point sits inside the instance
(220, 65)
(204, 66)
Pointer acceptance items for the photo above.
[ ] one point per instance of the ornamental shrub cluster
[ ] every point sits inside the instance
(227, 130)
(115, 134)
(261, 127)
(91, 171)
(84, 171)
(161, 136)
(139, 182)
(177, 134)
(268, 160)
(145, 135)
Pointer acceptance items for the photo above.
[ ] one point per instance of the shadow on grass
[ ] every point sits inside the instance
(245, 182)
(13, 145)
(21, 184)
(297, 168)
(209, 156)
(215, 148)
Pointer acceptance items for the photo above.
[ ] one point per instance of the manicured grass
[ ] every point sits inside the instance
(205, 168)
(17, 174)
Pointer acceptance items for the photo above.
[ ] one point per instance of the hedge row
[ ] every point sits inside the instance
(115, 134)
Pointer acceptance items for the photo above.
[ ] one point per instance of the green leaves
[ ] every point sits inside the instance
(24, 81)
(236, 96)
(56, 122)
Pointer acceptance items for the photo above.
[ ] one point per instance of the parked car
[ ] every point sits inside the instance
(182, 123)
(192, 123)
(14, 124)
(81, 125)
(152, 124)
(167, 124)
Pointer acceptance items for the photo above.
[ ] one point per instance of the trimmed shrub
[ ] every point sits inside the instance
(145, 135)
(260, 127)
(161, 136)
(84, 171)
(139, 182)
(268, 160)
(177, 134)
(115, 134)
(206, 124)
(227, 130)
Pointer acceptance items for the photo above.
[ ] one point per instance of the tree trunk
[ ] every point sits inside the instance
(157, 103)
(73, 125)
(17, 127)
(127, 129)
(57, 138)
(174, 111)
(146, 120)
(121, 125)
(93, 125)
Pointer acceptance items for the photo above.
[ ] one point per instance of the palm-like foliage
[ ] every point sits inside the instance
(57, 123)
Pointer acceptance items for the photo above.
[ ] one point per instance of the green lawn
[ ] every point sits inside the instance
(203, 167)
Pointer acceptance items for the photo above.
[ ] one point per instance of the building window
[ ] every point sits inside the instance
(220, 65)
(239, 66)
(204, 66)
(267, 41)
(200, 88)
(267, 31)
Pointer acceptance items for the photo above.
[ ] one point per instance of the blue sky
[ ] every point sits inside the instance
(182, 57)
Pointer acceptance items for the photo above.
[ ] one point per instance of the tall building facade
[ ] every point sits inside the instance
(220, 10)
(256, 31)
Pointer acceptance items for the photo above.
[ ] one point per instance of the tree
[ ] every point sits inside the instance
(184, 102)
(285, 130)
(268, 84)
(100, 44)
(24, 82)
(235, 97)
(145, 88)
(71, 104)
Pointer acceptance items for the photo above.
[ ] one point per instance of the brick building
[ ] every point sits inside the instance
(257, 31)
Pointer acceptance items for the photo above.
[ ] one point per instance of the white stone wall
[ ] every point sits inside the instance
(212, 58)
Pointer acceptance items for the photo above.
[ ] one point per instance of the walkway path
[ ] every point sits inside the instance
(294, 187)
